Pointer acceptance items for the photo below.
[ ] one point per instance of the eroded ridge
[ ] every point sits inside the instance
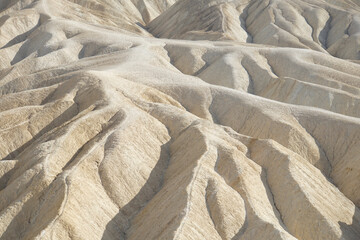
(116, 124)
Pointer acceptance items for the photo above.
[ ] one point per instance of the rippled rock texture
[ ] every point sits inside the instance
(188, 119)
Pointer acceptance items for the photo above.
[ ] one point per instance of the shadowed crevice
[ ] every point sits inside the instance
(117, 228)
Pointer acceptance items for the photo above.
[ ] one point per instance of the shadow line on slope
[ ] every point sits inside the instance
(41, 40)
(209, 191)
(21, 37)
(351, 232)
(5, 178)
(324, 33)
(117, 228)
(242, 18)
(6, 4)
(25, 219)
(58, 121)
(271, 198)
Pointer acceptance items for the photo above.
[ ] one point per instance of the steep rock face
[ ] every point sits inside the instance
(108, 132)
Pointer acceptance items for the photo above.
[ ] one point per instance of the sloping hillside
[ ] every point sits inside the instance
(188, 119)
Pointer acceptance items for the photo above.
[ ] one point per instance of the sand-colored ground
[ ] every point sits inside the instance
(188, 119)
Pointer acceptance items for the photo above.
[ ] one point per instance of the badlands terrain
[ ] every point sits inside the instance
(180, 119)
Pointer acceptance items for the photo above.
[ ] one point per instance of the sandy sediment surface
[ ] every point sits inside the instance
(188, 119)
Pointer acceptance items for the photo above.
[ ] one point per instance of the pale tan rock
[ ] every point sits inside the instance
(188, 119)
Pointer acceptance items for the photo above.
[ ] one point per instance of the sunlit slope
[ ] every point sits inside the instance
(108, 132)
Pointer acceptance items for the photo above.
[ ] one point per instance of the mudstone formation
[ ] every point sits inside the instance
(180, 119)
